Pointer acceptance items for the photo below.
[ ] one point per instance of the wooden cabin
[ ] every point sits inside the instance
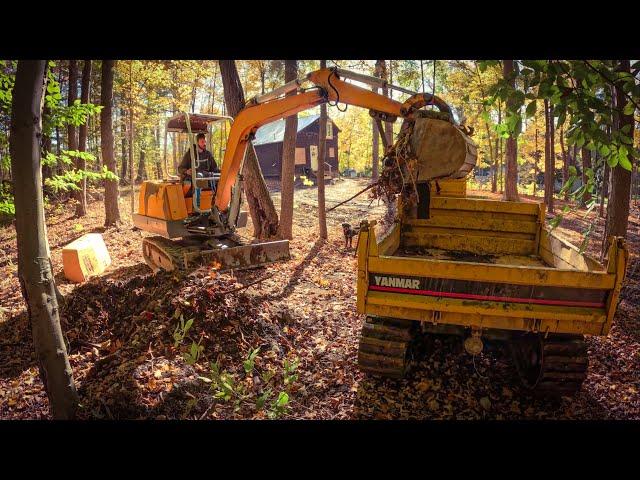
(269, 140)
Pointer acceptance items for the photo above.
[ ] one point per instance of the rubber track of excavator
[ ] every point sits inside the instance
(172, 252)
(385, 347)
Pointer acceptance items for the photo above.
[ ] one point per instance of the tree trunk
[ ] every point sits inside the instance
(536, 156)
(123, 145)
(72, 131)
(548, 169)
(130, 131)
(375, 142)
(34, 263)
(156, 131)
(618, 205)
(322, 154)
(565, 162)
(383, 74)
(605, 188)
(81, 164)
(111, 209)
(375, 147)
(263, 213)
(174, 151)
(500, 153)
(47, 171)
(288, 159)
(586, 164)
(142, 171)
(511, 183)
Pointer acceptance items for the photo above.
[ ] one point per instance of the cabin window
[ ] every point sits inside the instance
(329, 129)
(313, 150)
(331, 152)
(301, 156)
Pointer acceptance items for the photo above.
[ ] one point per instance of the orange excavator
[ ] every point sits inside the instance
(200, 222)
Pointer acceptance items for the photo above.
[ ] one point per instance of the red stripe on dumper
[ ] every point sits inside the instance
(471, 296)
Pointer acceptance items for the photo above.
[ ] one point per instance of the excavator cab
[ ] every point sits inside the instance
(199, 194)
(182, 212)
(165, 205)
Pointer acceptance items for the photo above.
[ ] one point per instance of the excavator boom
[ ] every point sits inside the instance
(329, 88)
(211, 230)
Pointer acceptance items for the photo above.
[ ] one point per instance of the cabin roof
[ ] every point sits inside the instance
(274, 132)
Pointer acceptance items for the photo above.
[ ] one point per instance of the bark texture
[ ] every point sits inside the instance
(34, 264)
(288, 159)
(261, 208)
(112, 211)
(511, 150)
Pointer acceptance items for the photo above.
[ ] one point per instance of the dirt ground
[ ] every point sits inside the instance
(127, 363)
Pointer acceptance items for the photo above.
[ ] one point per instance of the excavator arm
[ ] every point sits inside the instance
(328, 87)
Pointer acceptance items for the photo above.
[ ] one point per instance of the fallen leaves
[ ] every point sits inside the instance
(307, 310)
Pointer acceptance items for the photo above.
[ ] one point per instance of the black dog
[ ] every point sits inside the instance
(349, 233)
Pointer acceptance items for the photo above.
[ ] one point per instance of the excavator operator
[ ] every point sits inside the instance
(205, 165)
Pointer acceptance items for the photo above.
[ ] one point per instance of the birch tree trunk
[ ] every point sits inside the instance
(34, 264)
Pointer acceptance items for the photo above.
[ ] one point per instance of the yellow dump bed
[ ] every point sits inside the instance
(488, 264)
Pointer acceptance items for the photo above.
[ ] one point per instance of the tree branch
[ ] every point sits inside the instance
(586, 62)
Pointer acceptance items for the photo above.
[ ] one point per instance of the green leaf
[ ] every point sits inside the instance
(624, 162)
(283, 399)
(629, 108)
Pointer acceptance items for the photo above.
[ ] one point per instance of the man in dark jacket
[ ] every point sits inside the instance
(205, 163)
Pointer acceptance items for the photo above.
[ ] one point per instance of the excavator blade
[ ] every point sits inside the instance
(163, 254)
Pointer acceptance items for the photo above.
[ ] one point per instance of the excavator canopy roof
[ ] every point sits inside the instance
(198, 121)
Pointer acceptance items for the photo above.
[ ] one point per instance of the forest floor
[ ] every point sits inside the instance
(127, 364)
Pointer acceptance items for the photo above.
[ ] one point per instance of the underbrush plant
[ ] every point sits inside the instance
(265, 389)
(227, 387)
(192, 355)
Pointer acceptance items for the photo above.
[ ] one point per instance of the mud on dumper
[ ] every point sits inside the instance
(485, 268)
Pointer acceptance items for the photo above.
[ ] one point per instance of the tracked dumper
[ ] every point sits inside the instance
(484, 269)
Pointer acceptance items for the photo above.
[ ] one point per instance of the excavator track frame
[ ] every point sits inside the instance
(163, 254)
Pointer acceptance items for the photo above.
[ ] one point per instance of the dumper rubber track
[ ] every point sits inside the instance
(163, 254)
(552, 367)
(385, 347)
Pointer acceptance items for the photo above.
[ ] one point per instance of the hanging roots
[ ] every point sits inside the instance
(399, 172)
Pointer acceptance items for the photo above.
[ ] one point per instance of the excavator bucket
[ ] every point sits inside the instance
(163, 254)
